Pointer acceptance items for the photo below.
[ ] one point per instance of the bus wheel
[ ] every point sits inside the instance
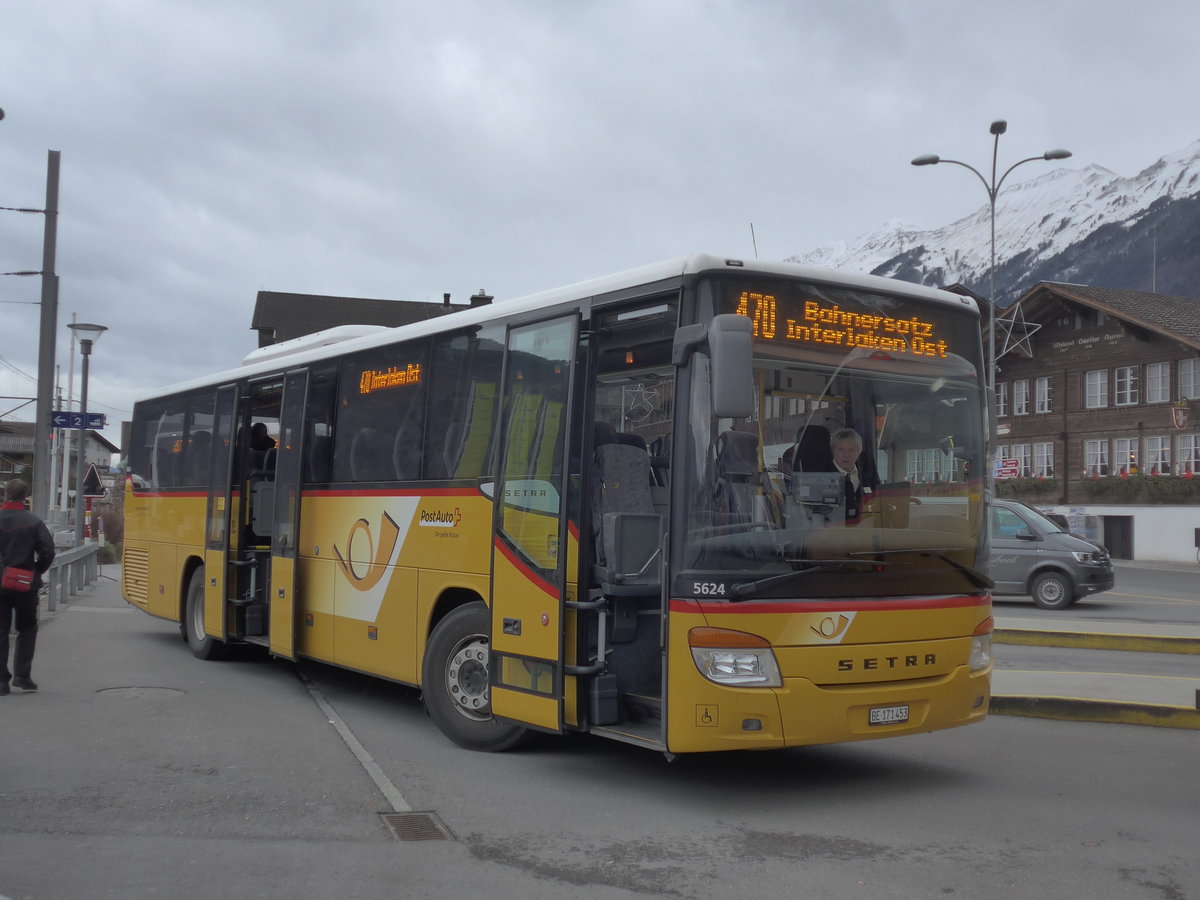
(203, 646)
(1052, 590)
(455, 684)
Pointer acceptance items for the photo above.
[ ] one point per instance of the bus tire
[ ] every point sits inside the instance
(1052, 590)
(455, 685)
(202, 645)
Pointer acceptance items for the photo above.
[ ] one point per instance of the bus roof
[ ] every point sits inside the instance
(348, 338)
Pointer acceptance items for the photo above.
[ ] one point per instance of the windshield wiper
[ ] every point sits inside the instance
(977, 578)
(745, 589)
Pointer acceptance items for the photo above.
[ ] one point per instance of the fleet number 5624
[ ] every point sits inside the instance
(708, 589)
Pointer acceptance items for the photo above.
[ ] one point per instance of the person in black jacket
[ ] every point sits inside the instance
(24, 543)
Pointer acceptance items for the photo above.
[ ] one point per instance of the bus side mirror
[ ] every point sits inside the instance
(732, 361)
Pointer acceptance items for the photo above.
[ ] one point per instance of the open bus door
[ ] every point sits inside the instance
(531, 529)
(285, 528)
(220, 508)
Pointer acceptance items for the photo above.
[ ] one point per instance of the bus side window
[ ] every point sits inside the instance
(318, 445)
(466, 373)
(371, 456)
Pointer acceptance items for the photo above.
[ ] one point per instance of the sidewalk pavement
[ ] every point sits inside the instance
(1128, 697)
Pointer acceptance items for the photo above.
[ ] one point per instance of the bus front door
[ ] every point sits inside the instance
(531, 535)
(285, 527)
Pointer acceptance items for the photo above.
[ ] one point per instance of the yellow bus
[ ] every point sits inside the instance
(611, 508)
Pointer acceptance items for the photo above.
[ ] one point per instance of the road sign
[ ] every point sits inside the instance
(75, 420)
(1007, 468)
(92, 485)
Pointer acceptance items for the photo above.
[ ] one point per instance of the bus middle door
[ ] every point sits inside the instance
(217, 537)
(531, 534)
(285, 528)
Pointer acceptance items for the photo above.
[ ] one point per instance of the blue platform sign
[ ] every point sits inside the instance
(75, 420)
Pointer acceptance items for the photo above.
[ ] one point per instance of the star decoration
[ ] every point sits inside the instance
(639, 403)
(1016, 332)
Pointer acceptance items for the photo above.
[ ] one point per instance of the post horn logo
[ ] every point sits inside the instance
(830, 628)
(379, 554)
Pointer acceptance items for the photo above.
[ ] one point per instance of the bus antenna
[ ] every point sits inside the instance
(753, 241)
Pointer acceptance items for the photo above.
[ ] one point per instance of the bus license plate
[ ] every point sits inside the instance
(888, 715)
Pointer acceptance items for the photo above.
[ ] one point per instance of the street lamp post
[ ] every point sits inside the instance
(993, 188)
(87, 335)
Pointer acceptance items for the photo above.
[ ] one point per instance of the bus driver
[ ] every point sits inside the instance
(847, 446)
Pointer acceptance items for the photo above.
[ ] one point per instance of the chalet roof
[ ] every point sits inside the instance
(1177, 318)
(281, 316)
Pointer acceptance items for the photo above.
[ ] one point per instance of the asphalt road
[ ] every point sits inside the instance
(1144, 592)
(139, 771)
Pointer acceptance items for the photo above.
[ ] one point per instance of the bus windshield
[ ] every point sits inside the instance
(859, 472)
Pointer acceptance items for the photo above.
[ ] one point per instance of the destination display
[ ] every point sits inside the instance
(817, 321)
(394, 376)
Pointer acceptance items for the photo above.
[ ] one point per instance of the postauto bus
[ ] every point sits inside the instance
(608, 508)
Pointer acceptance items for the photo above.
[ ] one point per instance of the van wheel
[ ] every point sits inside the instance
(203, 646)
(1052, 590)
(455, 685)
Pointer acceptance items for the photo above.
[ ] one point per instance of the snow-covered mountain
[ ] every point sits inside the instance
(1084, 225)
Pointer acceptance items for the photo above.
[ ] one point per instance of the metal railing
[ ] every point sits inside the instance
(70, 572)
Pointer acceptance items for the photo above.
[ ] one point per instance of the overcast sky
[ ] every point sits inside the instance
(395, 149)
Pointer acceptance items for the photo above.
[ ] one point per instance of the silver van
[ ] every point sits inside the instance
(1033, 555)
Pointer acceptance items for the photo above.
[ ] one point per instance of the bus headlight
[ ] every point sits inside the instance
(734, 658)
(981, 646)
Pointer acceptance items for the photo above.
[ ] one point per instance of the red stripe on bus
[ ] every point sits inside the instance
(161, 494)
(508, 553)
(708, 607)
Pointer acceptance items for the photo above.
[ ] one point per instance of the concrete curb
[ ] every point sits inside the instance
(1146, 643)
(1083, 709)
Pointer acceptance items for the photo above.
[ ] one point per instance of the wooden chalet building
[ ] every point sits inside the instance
(1098, 404)
(280, 316)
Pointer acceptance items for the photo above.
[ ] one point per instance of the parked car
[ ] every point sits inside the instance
(1032, 554)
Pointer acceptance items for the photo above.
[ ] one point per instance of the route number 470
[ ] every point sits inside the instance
(708, 589)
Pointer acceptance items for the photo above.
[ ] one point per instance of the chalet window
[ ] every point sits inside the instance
(1187, 459)
(1043, 460)
(1158, 455)
(915, 460)
(929, 465)
(1002, 400)
(1095, 458)
(1189, 379)
(1158, 382)
(1021, 397)
(1095, 391)
(1020, 452)
(1126, 385)
(933, 465)
(1041, 395)
(1125, 456)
